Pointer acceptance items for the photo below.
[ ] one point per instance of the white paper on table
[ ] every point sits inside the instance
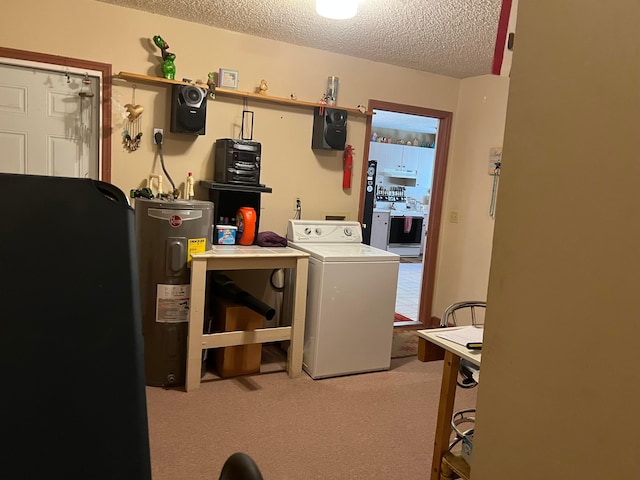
(462, 336)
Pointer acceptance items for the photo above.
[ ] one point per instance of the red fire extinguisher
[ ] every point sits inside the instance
(348, 166)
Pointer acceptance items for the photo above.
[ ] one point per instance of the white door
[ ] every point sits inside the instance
(46, 126)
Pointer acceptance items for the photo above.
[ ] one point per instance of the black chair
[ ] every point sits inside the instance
(240, 466)
(71, 349)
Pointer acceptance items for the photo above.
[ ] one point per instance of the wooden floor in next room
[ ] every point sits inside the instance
(408, 294)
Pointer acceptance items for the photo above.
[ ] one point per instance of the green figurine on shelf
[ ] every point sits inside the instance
(211, 81)
(168, 65)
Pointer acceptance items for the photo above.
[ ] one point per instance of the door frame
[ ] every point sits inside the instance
(104, 68)
(443, 139)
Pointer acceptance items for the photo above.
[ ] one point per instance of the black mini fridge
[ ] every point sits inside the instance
(71, 350)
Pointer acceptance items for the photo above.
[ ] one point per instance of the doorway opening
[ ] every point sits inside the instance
(402, 212)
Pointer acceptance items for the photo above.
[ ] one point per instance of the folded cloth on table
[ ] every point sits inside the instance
(270, 239)
(408, 222)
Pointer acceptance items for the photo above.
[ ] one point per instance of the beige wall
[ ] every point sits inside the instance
(465, 247)
(560, 376)
(101, 32)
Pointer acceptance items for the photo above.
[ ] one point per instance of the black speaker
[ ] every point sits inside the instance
(329, 129)
(369, 201)
(188, 109)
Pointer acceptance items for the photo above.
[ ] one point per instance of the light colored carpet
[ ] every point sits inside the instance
(361, 427)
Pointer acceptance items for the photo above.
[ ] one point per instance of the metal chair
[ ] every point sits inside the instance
(468, 372)
(468, 308)
(465, 310)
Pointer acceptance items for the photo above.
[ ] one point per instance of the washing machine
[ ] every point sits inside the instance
(351, 295)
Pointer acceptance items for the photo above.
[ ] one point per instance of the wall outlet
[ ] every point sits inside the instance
(454, 216)
(156, 130)
(297, 203)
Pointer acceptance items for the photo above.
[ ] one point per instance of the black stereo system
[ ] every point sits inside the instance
(329, 128)
(188, 109)
(237, 161)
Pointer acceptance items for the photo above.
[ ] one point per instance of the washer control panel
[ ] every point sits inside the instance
(324, 231)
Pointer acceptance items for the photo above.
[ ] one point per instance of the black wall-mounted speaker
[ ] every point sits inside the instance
(188, 109)
(329, 129)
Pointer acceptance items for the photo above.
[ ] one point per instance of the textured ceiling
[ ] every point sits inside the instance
(448, 37)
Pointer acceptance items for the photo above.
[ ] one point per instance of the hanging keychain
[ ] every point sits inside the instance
(86, 103)
(133, 124)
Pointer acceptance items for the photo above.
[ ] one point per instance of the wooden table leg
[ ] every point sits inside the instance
(445, 411)
(196, 324)
(294, 358)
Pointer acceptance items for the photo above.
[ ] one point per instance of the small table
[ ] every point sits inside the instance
(251, 257)
(453, 352)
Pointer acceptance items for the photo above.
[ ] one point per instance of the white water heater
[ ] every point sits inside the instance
(168, 232)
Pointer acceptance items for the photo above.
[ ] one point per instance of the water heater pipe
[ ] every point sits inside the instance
(159, 181)
(190, 181)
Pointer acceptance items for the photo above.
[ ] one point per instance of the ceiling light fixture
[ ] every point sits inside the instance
(337, 9)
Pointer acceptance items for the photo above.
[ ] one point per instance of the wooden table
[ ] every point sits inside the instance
(251, 257)
(445, 462)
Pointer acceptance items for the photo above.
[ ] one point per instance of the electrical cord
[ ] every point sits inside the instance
(158, 137)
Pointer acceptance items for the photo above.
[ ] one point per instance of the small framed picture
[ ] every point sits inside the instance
(228, 78)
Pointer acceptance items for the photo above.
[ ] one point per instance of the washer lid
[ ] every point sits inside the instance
(332, 252)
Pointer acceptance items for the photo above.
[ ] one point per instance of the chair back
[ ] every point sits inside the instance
(71, 349)
(240, 466)
(460, 310)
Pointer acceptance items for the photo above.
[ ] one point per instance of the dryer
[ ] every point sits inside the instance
(351, 294)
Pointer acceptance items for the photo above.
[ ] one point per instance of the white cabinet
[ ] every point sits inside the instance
(388, 155)
(380, 230)
(425, 163)
(404, 158)
(411, 157)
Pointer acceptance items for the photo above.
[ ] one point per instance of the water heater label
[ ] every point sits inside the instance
(172, 303)
(196, 245)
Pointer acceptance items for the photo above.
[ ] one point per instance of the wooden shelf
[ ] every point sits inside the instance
(136, 77)
(457, 464)
(226, 92)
